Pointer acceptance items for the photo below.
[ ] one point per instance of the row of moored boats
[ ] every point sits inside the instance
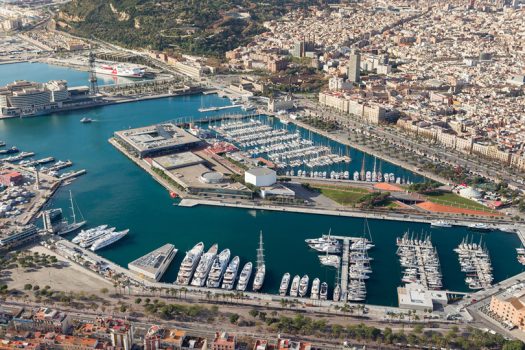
(283, 148)
(216, 270)
(475, 263)
(420, 261)
(98, 237)
(299, 287)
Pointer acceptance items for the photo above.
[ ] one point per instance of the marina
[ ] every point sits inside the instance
(284, 149)
(475, 263)
(115, 191)
(154, 264)
(420, 261)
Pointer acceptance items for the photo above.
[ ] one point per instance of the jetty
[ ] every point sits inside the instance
(155, 263)
(215, 109)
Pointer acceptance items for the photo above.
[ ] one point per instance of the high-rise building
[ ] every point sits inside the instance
(353, 69)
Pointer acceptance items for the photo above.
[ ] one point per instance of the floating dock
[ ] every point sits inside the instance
(154, 264)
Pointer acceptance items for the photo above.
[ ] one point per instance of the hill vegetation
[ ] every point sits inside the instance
(209, 27)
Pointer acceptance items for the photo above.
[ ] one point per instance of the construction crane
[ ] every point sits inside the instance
(93, 83)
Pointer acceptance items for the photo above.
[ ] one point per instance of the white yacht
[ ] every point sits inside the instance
(314, 293)
(220, 263)
(259, 278)
(189, 264)
(479, 226)
(440, 223)
(294, 289)
(260, 272)
(331, 246)
(303, 285)
(337, 292)
(330, 260)
(323, 293)
(508, 229)
(108, 239)
(204, 266)
(84, 233)
(244, 277)
(230, 275)
(94, 236)
(285, 282)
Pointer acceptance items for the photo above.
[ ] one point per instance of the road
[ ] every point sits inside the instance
(435, 152)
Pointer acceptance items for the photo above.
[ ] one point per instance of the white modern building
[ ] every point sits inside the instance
(414, 296)
(260, 177)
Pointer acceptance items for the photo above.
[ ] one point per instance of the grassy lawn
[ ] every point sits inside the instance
(452, 199)
(343, 195)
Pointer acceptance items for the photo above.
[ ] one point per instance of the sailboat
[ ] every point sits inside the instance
(260, 272)
(70, 227)
(374, 173)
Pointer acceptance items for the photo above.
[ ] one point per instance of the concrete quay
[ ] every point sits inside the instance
(140, 286)
(386, 215)
(145, 166)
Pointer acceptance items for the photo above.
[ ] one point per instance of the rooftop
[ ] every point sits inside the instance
(152, 261)
(154, 137)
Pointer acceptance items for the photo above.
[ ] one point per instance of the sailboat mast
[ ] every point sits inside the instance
(260, 252)
(72, 207)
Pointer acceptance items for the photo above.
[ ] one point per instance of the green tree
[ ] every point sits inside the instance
(234, 318)
(513, 345)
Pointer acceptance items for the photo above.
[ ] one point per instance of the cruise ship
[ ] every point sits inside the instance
(285, 282)
(189, 264)
(220, 263)
(85, 233)
(108, 239)
(94, 236)
(120, 70)
(244, 277)
(199, 278)
(230, 275)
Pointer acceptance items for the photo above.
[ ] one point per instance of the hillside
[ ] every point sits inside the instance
(207, 27)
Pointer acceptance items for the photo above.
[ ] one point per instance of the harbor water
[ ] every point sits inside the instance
(42, 73)
(118, 193)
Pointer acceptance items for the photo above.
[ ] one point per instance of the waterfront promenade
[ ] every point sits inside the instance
(135, 285)
(348, 212)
